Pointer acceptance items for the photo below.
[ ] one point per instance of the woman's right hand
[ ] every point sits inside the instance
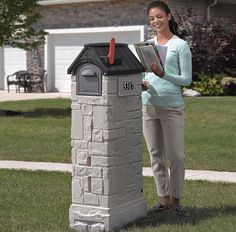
(145, 85)
(160, 73)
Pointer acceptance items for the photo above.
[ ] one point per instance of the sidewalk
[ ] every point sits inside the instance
(62, 167)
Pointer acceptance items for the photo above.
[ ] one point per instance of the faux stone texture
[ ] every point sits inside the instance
(107, 157)
(97, 185)
(92, 199)
(78, 190)
(89, 171)
(77, 124)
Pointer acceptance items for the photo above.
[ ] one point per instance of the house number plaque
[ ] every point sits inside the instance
(126, 86)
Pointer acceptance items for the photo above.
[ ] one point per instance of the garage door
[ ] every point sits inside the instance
(65, 47)
(14, 60)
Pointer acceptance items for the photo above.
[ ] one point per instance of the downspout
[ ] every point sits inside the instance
(209, 10)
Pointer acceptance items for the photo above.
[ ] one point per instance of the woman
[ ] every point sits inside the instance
(163, 109)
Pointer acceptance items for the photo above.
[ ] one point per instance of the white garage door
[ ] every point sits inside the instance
(64, 48)
(14, 60)
(64, 56)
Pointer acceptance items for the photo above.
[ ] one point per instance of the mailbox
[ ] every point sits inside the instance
(106, 134)
(93, 63)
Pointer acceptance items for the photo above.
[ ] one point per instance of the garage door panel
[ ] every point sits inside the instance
(14, 60)
(61, 69)
(64, 56)
(63, 85)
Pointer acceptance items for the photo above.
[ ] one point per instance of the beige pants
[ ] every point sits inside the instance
(163, 130)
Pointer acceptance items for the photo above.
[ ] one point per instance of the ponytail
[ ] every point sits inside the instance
(173, 25)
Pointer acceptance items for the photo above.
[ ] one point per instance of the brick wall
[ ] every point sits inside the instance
(120, 13)
(97, 14)
(110, 13)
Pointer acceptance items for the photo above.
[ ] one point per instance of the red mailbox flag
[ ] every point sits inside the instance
(111, 55)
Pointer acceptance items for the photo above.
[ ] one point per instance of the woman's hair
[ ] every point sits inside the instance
(163, 6)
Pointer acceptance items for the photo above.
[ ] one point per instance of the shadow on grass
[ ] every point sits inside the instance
(7, 113)
(196, 215)
(41, 112)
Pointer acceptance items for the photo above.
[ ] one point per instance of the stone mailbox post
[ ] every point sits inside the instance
(106, 139)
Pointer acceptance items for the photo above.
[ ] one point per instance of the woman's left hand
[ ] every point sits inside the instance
(159, 72)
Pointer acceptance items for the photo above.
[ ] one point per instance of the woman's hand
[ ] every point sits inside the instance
(145, 85)
(159, 72)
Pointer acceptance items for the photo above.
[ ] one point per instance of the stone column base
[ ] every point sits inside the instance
(98, 219)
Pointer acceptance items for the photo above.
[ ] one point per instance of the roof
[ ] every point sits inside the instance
(125, 62)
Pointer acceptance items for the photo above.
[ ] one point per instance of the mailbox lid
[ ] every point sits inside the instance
(125, 61)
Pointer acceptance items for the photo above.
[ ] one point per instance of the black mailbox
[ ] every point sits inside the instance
(93, 62)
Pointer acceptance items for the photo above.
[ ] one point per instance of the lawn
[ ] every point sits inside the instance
(211, 133)
(39, 201)
(42, 132)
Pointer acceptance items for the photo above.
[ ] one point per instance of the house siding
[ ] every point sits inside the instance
(98, 14)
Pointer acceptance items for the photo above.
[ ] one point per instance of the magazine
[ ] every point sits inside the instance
(150, 53)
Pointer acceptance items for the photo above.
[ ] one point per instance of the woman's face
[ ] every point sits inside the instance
(158, 19)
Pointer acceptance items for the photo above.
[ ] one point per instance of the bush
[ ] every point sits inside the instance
(213, 44)
(208, 85)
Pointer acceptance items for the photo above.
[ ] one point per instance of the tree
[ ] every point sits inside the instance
(17, 19)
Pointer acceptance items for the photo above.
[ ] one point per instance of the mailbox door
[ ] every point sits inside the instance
(89, 80)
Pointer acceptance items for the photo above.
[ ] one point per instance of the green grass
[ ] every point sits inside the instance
(39, 201)
(211, 133)
(42, 133)
(34, 201)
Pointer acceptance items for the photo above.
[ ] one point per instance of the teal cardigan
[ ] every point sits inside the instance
(166, 91)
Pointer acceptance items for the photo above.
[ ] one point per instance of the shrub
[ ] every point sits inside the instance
(208, 85)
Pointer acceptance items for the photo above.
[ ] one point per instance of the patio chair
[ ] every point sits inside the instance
(15, 79)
